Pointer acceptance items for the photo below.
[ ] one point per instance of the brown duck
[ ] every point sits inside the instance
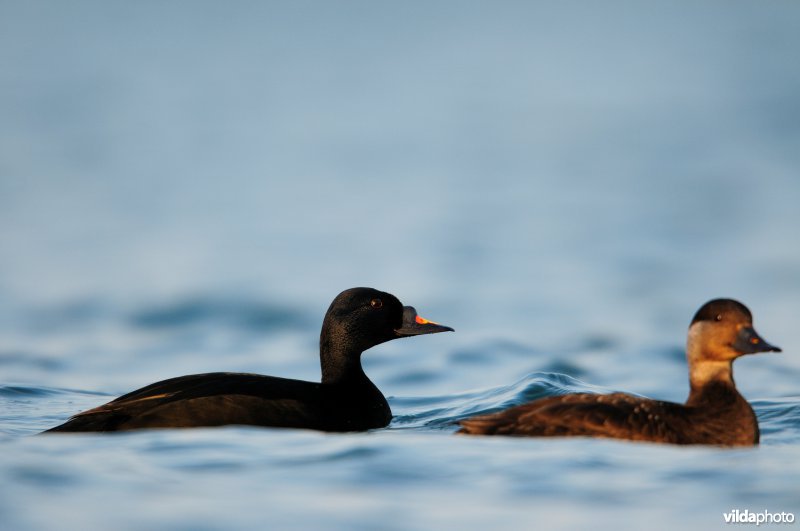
(715, 413)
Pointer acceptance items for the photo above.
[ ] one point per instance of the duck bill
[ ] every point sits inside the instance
(749, 342)
(414, 325)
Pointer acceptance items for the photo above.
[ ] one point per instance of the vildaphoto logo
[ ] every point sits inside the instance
(737, 516)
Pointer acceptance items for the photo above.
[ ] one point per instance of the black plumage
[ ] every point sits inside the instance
(345, 399)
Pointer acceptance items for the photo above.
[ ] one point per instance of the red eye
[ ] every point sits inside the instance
(376, 303)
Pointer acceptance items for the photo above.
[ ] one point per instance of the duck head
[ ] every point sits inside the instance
(359, 319)
(721, 331)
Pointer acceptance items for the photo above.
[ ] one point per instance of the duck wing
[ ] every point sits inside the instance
(616, 415)
(211, 399)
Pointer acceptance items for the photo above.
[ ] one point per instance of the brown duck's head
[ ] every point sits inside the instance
(722, 330)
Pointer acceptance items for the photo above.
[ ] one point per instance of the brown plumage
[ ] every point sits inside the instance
(715, 413)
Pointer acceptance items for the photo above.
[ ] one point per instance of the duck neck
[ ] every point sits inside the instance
(709, 368)
(336, 369)
(710, 375)
(340, 361)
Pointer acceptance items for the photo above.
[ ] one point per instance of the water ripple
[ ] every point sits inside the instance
(779, 419)
(443, 412)
(13, 391)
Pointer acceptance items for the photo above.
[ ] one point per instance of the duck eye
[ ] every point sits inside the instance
(376, 303)
(718, 317)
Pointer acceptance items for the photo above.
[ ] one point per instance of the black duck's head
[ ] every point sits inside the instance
(360, 318)
(722, 330)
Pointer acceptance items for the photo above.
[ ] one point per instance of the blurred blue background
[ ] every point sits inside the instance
(185, 186)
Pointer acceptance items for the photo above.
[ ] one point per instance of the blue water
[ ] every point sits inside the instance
(184, 187)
